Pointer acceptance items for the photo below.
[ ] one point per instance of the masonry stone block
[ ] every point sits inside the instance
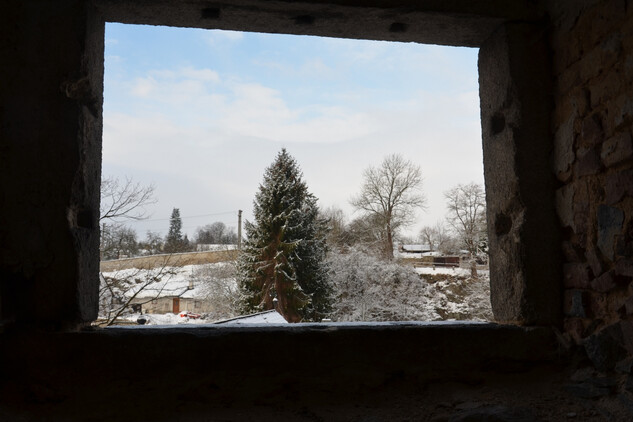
(621, 110)
(628, 306)
(563, 151)
(618, 185)
(590, 66)
(606, 347)
(575, 302)
(591, 132)
(597, 305)
(576, 275)
(570, 252)
(604, 283)
(564, 205)
(588, 163)
(575, 328)
(617, 149)
(610, 223)
(624, 267)
(594, 261)
(525, 256)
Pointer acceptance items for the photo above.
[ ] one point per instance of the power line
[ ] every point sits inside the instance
(182, 217)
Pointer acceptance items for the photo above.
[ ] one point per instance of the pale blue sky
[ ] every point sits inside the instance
(202, 113)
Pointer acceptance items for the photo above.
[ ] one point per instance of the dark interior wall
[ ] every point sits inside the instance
(523, 233)
(50, 159)
(592, 121)
(51, 77)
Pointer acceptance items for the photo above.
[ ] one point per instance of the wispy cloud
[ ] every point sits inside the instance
(205, 133)
(217, 37)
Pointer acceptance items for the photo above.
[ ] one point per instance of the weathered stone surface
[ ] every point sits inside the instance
(624, 366)
(604, 283)
(564, 149)
(594, 262)
(49, 231)
(628, 306)
(622, 111)
(587, 390)
(610, 223)
(575, 328)
(495, 414)
(564, 205)
(618, 185)
(606, 347)
(570, 253)
(597, 304)
(591, 133)
(576, 275)
(594, 25)
(588, 163)
(624, 267)
(524, 250)
(617, 149)
(575, 302)
(627, 335)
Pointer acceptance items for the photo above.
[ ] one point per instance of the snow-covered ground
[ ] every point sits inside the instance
(164, 319)
(454, 271)
(453, 297)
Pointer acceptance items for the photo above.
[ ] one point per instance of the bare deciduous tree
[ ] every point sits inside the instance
(118, 241)
(120, 201)
(467, 214)
(124, 199)
(437, 237)
(392, 194)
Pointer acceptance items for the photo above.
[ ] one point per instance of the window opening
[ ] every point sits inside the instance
(192, 118)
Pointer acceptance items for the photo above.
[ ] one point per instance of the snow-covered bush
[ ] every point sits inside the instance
(368, 288)
(371, 289)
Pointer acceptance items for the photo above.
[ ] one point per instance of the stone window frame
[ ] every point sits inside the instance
(515, 98)
(515, 86)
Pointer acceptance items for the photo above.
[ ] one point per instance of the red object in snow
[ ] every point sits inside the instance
(187, 314)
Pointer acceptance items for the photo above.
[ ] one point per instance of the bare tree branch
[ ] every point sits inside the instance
(124, 199)
(391, 193)
(117, 288)
(466, 206)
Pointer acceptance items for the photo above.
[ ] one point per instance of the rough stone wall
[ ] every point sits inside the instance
(515, 95)
(592, 46)
(51, 84)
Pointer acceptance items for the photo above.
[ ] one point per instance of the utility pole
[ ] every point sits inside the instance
(239, 230)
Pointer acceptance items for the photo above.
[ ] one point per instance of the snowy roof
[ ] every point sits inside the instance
(176, 281)
(416, 248)
(266, 317)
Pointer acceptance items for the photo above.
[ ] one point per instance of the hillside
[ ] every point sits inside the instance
(172, 260)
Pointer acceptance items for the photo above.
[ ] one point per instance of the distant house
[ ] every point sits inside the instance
(266, 317)
(174, 296)
(415, 248)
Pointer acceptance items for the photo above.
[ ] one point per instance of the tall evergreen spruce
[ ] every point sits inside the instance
(174, 241)
(284, 254)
